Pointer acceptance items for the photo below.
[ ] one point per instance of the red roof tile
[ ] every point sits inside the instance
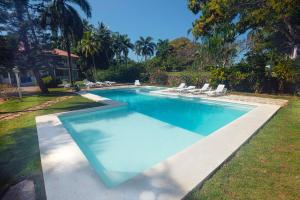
(62, 53)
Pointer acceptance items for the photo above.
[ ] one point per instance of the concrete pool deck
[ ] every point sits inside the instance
(68, 174)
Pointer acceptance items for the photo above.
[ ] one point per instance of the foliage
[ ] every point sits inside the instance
(89, 46)
(145, 47)
(183, 53)
(121, 45)
(279, 20)
(175, 55)
(175, 78)
(121, 73)
(272, 29)
(51, 82)
(285, 73)
(8, 48)
(61, 17)
(23, 33)
(216, 51)
(163, 49)
(158, 77)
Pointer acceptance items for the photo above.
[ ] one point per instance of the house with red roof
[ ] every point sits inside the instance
(52, 63)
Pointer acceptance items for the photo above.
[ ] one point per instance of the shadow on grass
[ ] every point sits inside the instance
(19, 150)
(20, 159)
(71, 106)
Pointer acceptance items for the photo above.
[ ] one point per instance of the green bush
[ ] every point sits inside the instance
(122, 73)
(159, 77)
(51, 82)
(197, 78)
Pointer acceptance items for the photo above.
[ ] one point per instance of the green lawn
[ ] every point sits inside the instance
(19, 150)
(15, 104)
(267, 167)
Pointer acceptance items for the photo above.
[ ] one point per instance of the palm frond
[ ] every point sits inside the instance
(84, 5)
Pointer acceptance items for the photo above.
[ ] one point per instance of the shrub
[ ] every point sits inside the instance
(197, 78)
(121, 73)
(51, 82)
(159, 77)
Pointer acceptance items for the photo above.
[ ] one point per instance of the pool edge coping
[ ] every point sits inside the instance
(266, 111)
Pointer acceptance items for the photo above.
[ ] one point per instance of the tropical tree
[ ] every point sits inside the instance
(121, 46)
(279, 20)
(17, 20)
(163, 48)
(63, 18)
(89, 46)
(104, 36)
(145, 47)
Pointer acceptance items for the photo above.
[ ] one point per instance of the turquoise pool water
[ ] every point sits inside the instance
(124, 141)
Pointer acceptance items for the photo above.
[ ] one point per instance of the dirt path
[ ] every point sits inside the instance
(9, 116)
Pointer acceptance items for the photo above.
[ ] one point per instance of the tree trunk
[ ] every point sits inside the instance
(69, 61)
(39, 80)
(20, 9)
(94, 68)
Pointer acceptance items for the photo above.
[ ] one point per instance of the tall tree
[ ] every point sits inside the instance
(21, 24)
(89, 46)
(104, 36)
(279, 19)
(62, 17)
(145, 47)
(163, 48)
(121, 46)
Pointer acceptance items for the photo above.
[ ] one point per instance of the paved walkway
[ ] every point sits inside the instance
(232, 97)
(12, 115)
(279, 102)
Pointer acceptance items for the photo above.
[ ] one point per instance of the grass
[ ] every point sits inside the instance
(15, 104)
(19, 151)
(267, 167)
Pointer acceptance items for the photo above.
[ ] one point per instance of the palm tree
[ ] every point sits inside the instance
(121, 46)
(26, 33)
(145, 47)
(104, 36)
(89, 46)
(163, 48)
(61, 16)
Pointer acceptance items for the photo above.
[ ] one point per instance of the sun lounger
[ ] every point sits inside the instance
(137, 83)
(186, 89)
(67, 85)
(221, 90)
(204, 88)
(109, 83)
(182, 85)
(99, 83)
(89, 83)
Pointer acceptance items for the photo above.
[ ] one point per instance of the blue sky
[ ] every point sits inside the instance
(160, 19)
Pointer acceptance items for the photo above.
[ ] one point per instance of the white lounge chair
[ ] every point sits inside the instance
(137, 83)
(204, 88)
(186, 89)
(109, 83)
(99, 83)
(221, 90)
(89, 83)
(67, 85)
(182, 85)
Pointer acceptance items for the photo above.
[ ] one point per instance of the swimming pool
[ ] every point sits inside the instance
(124, 141)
